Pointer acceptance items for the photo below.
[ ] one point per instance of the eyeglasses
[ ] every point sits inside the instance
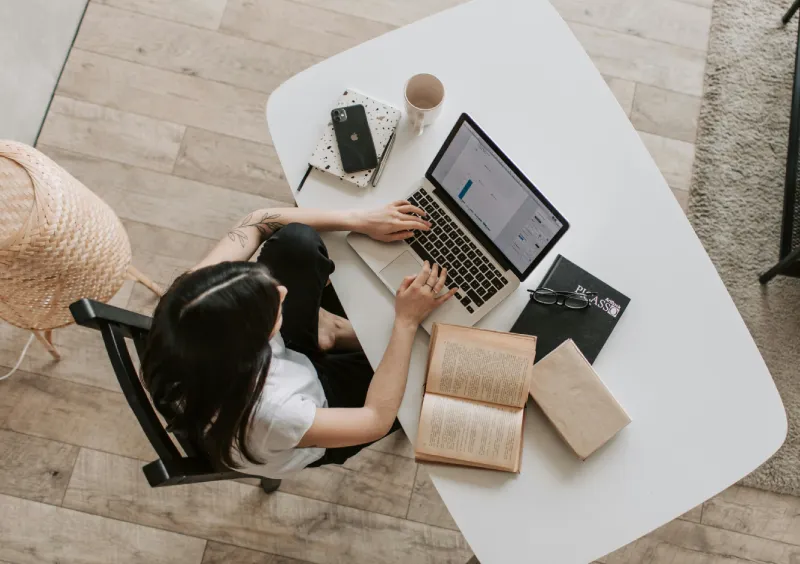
(572, 300)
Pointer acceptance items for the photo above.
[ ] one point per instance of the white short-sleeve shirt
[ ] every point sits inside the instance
(290, 398)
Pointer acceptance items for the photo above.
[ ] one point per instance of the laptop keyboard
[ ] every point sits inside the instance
(446, 245)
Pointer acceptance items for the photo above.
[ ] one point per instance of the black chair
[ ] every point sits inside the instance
(789, 254)
(171, 468)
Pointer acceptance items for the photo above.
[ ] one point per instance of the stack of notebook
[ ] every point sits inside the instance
(478, 380)
(564, 384)
(589, 328)
(383, 120)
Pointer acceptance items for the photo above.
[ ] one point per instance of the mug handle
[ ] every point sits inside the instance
(417, 123)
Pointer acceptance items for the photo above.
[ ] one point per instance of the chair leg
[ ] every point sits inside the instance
(783, 263)
(270, 485)
(136, 274)
(790, 12)
(47, 340)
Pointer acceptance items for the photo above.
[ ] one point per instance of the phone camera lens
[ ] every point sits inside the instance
(339, 115)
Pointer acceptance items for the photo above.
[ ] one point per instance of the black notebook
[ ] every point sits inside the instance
(554, 324)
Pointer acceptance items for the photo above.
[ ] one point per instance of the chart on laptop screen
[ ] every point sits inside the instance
(486, 192)
(495, 198)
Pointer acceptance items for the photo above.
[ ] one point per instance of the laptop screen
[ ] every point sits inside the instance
(496, 198)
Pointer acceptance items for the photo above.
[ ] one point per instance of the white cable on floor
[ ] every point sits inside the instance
(21, 356)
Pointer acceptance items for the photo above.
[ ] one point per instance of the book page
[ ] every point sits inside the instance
(481, 365)
(473, 432)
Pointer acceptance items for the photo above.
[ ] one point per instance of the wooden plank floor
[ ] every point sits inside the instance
(160, 110)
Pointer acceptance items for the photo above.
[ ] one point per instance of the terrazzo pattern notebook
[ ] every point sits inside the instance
(383, 120)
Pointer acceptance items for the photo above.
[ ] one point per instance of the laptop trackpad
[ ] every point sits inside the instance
(399, 268)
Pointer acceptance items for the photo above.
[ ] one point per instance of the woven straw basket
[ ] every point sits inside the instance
(59, 242)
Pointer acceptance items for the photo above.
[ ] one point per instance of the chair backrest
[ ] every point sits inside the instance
(172, 467)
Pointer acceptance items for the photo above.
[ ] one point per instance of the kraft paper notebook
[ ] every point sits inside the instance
(475, 395)
(575, 400)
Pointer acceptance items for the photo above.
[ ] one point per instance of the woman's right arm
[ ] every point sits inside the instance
(340, 427)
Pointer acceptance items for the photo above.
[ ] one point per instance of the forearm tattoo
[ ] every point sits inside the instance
(267, 225)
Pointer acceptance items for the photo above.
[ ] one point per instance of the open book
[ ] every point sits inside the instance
(474, 404)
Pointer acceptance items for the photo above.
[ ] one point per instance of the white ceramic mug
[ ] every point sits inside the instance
(424, 100)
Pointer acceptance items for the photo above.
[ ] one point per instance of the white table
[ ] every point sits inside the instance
(704, 408)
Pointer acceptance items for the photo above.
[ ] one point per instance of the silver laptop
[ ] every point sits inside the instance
(491, 227)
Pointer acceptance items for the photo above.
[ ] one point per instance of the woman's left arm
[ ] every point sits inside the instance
(390, 223)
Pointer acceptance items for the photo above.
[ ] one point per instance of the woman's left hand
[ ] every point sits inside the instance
(393, 222)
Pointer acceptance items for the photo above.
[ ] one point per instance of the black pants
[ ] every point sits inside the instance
(298, 259)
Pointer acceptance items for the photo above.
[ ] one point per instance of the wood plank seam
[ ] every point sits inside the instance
(139, 526)
(258, 487)
(413, 485)
(638, 83)
(93, 157)
(273, 64)
(140, 460)
(159, 18)
(690, 3)
(187, 127)
(144, 461)
(611, 31)
(737, 532)
(633, 98)
(639, 126)
(395, 454)
(228, 33)
(71, 474)
(205, 550)
(73, 382)
(650, 39)
(281, 493)
(162, 69)
(137, 114)
(181, 149)
(337, 12)
(229, 136)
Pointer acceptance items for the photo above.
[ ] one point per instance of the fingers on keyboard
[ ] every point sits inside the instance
(448, 246)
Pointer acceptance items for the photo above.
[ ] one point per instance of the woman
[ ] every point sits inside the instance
(256, 362)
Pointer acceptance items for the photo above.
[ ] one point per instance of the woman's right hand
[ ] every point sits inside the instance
(418, 294)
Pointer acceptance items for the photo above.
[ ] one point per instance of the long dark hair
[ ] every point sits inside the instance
(208, 353)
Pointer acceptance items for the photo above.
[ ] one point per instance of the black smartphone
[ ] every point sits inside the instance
(354, 138)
